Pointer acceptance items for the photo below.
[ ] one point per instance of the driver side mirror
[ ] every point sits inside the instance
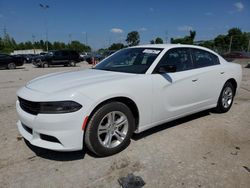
(166, 69)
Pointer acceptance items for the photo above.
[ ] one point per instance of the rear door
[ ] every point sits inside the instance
(57, 56)
(60, 57)
(191, 88)
(209, 72)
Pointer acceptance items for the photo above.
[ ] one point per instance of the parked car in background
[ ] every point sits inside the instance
(133, 90)
(27, 58)
(94, 56)
(10, 61)
(58, 57)
(236, 55)
(83, 56)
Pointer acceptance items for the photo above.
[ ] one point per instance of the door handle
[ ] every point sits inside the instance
(194, 80)
(222, 72)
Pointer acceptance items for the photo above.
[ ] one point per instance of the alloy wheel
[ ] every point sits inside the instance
(227, 97)
(113, 129)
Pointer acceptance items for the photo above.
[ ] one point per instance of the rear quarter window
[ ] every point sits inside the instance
(202, 58)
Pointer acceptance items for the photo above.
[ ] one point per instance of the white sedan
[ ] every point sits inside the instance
(131, 91)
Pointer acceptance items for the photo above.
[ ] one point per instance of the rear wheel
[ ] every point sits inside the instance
(226, 98)
(72, 63)
(110, 129)
(45, 65)
(11, 66)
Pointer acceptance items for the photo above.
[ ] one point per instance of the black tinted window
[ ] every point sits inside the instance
(130, 60)
(202, 58)
(178, 57)
(64, 53)
(57, 53)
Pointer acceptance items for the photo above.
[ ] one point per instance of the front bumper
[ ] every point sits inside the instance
(60, 132)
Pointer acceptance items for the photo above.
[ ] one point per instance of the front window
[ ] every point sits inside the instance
(130, 60)
(178, 57)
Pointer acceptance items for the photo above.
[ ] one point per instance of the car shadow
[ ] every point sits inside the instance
(17, 68)
(79, 155)
(56, 66)
(170, 124)
(56, 155)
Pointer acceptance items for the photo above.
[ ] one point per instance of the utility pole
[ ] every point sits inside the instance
(4, 34)
(230, 45)
(70, 35)
(45, 7)
(85, 37)
(4, 31)
(166, 37)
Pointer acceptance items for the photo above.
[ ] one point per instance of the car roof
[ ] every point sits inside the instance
(169, 46)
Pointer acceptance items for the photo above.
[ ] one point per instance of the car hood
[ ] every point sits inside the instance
(62, 81)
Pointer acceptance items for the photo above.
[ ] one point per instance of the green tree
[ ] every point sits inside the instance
(28, 45)
(239, 39)
(8, 44)
(116, 46)
(185, 40)
(208, 44)
(133, 38)
(221, 43)
(1, 44)
(152, 42)
(42, 45)
(192, 35)
(158, 40)
(76, 45)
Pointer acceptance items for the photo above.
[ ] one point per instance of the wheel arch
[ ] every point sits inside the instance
(125, 100)
(234, 83)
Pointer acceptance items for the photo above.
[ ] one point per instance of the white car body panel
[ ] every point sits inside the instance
(159, 98)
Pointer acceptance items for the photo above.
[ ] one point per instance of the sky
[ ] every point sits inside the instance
(101, 23)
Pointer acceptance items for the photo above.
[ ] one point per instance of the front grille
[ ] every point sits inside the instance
(29, 106)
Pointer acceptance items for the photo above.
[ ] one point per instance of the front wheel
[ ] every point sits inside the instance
(226, 98)
(110, 129)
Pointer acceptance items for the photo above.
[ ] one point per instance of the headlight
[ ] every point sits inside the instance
(58, 107)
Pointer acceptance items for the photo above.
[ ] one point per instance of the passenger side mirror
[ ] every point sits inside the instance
(166, 69)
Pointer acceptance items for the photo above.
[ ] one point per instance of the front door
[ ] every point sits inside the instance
(176, 93)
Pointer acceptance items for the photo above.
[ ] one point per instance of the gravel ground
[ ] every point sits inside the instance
(202, 150)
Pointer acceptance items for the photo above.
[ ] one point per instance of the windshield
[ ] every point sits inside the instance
(130, 60)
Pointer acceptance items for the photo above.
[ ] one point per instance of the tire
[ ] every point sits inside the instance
(45, 65)
(11, 66)
(104, 124)
(226, 98)
(72, 63)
